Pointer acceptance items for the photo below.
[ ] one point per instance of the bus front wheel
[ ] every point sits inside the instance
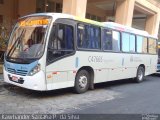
(140, 74)
(81, 82)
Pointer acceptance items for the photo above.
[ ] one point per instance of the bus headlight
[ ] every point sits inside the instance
(35, 70)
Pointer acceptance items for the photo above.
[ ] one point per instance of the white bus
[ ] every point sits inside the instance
(48, 51)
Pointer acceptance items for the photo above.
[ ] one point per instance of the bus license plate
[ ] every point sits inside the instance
(14, 78)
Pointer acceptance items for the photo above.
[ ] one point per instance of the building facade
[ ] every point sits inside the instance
(142, 14)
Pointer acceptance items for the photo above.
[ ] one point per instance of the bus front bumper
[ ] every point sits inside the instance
(35, 82)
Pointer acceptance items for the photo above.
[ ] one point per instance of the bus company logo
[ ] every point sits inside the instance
(131, 59)
(23, 68)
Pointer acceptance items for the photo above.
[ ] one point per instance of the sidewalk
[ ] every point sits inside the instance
(1, 76)
(1, 79)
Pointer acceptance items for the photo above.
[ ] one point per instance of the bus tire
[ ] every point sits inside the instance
(140, 74)
(81, 82)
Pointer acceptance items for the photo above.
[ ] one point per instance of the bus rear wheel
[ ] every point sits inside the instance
(81, 82)
(140, 74)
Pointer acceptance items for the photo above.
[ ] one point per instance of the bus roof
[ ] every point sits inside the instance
(111, 25)
(123, 28)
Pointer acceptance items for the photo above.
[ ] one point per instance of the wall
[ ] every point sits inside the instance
(26, 7)
(6, 10)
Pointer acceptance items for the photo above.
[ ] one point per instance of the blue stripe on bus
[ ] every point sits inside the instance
(20, 69)
(122, 61)
(150, 61)
(77, 62)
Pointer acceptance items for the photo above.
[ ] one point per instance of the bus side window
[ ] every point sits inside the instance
(98, 37)
(139, 44)
(125, 42)
(69, 38)
(61, 41)
(107, 39)
(65, 35)
(132, 43)
(116, 41)
(52, 40)
(88, 37)
(60, 37)
(81, 35)
(86, 40)
(94, 41)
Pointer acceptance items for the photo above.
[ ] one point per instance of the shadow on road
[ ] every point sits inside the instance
(15, 90)
(156, 75)
(125, 82)
(110, 84)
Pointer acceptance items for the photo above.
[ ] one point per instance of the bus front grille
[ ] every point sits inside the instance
(17, 72)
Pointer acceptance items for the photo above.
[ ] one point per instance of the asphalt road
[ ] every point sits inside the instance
(143, 98)
(117, 97)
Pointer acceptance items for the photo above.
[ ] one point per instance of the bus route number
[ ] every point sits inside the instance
(95, 59)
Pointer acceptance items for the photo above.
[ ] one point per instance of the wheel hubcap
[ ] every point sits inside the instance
(140, 75)
(83, 82)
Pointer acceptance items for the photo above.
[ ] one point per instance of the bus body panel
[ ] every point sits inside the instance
(36, 82)
(62, 73)
(33, 82)
(107, 65)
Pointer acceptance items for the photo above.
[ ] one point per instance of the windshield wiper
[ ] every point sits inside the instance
(17, 41)
(22, 60)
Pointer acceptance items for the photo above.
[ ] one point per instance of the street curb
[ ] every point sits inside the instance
(1, 80)
(1, 76)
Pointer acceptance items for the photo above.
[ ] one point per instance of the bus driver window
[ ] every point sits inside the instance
(60, 42)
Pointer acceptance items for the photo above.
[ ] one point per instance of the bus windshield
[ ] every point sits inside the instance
(27, 39)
